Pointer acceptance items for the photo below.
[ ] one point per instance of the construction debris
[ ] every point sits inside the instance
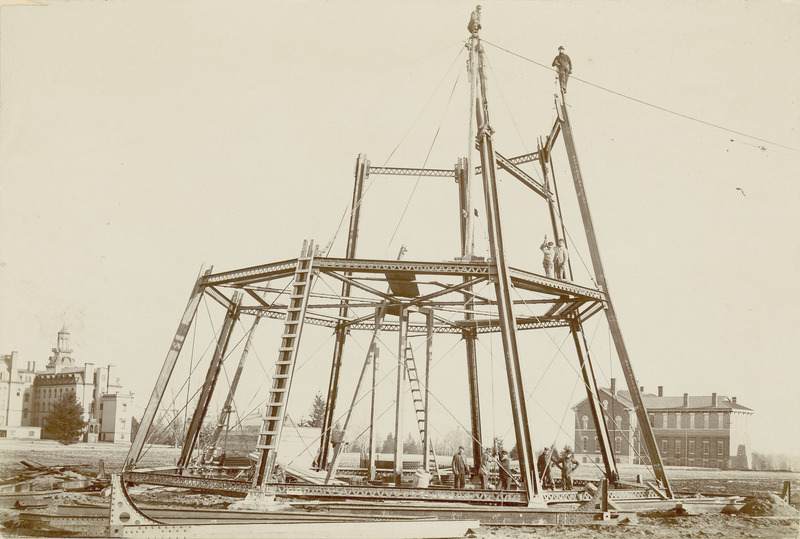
(770, 505)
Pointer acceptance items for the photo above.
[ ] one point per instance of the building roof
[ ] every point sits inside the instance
(654, 402)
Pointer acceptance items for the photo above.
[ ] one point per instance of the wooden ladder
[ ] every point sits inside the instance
(273, 419)
(419, 408)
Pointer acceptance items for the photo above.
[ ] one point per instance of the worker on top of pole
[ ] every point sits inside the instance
(475, 22)
(564, 66)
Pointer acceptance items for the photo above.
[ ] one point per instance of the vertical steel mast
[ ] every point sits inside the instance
(362, 167)
(502, 284)
(613, 323)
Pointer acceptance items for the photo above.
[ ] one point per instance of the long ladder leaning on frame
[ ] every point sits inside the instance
(272, 423)
(419, 408)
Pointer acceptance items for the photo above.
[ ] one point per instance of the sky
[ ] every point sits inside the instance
(139, 141)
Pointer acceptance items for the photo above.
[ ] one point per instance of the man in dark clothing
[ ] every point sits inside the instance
(459, 468)
(564, 66)
(567, 465)
(505, 471)
(475, 22)
(544, 466)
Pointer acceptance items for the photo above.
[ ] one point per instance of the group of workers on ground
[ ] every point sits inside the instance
(555, 258)
(548, 458)
(562, 62)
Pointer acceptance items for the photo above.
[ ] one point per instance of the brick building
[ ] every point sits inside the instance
(708, 431)
(94, 387)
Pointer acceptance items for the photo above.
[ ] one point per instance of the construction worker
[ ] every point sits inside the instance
(564, 66)
(549, 256)
(484, 470)
(505, 470)
(544, 464)
(460, 468)
(475, 22)
(567, 465)
(561, 258)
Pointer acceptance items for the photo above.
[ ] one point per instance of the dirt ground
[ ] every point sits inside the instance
(83, 458)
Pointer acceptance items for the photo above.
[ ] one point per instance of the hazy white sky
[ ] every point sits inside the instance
(141, 139)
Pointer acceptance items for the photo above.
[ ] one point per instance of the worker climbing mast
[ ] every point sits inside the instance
(502, 280)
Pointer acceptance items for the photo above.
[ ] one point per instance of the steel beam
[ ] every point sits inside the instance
(516, 388)
(166, 372)
(523, 176)
(361, 171)
(334, 464)
(613, 323)
(598, 415)
(212, 375)
(397, 171)
(402, 376)
(426, 439)
(228, 406)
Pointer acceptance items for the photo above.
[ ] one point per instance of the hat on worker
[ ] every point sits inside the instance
(561, 48)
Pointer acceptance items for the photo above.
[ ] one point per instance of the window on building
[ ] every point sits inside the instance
(585, 422)
(27, 397)
(652, 420)
(706, 445)
(691, 447)
(585, 444)
(664, 447)
(705, 420)
(677, 447)
(605, 404)
(678, 420)
(720, 447)
(596, 445)
(124, 407)
(664, 419)
(617, 444)
(691, 420)
(25, 415)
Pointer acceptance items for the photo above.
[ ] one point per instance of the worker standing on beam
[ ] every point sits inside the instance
(564, 66)
(475, 22)
(549, 256)
(561, 258)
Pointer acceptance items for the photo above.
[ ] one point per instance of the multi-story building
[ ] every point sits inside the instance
(15, 397)
(92, 386)
(708, 431)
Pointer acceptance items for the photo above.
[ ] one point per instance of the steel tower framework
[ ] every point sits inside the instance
(468, 296)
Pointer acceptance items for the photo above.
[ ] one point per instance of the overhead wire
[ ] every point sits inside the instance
(425, 162)
(391, 154)
(646, 103)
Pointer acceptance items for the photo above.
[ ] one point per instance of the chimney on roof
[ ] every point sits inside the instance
(714, 399)
(685, 400)
(733, 399)
(614, 386)
(660, 391)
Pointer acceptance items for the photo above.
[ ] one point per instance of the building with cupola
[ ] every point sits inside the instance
(107, 410)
